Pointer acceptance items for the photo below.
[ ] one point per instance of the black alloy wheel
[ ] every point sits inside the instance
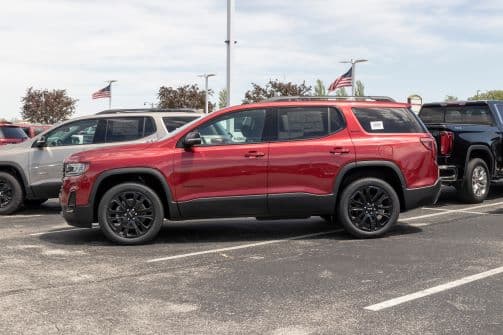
(130, 214)
(6, 192)
(370, 208)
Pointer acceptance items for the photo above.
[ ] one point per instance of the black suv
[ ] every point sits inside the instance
(469, 137)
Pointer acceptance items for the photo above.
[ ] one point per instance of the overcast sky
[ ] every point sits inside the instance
(428, 47)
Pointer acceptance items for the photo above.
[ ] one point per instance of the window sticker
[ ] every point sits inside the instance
(376, 125)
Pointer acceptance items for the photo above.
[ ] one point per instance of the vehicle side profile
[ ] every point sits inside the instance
(11, 134)
(361, 159)
(33, 130)
(469, 136)
(31, 172)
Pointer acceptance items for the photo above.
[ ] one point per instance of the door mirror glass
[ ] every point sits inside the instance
(192, 138)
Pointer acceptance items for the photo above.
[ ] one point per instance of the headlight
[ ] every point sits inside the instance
(74, 169)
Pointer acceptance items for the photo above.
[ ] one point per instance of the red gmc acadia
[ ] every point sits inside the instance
(359, 161)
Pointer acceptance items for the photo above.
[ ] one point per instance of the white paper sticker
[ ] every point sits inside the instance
(376, 125)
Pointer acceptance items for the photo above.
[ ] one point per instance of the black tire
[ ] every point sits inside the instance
(34, 202)
(119, 209)
(469, 190)
(372, 217)
(11, 194)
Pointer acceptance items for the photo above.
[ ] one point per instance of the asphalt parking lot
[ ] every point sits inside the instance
(440, 271)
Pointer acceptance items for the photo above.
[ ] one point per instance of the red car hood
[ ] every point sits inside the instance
(110, 152)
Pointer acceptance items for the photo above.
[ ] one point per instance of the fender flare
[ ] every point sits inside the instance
(20, 171)
(482, 148)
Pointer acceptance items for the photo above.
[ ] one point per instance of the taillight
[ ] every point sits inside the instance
(446, 142)
(429, 143)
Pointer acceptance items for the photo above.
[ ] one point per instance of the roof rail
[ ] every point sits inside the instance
(148, 110)
(332, 97)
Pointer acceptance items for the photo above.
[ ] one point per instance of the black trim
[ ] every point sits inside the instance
(20, 171)
(81, 216)
(295, 204)
(221, 207)
(172, 206)
(423, 196)
(46, 190)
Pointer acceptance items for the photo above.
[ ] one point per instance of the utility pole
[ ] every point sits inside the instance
(110, 98)
(353, 63)
(230, 42)
(206, 76)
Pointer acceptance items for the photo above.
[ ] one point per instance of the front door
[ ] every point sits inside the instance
(225, 176)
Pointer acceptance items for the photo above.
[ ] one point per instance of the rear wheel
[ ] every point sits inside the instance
(368, 207)
(475, 186)
(11, 194)
(130, 213)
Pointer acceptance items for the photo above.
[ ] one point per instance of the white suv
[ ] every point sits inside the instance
(31, 172)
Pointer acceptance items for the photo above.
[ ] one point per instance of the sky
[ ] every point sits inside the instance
(428, 47)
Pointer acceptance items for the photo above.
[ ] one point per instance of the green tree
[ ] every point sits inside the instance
(319, 88)
(359, 89)
(449, 98)
(341, 92)
(222, 98)
(47, 107)
(489, 95)
(187, 96)
(275, 88)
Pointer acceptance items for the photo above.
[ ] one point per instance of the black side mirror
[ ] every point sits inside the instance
(192, 138)
(41, 142)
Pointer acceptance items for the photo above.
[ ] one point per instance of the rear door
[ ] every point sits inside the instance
(312, 144)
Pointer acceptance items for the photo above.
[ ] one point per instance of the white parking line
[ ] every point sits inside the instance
(445, 213)
(242, 246)
(454, 210)
(58, 231)
(433, 290)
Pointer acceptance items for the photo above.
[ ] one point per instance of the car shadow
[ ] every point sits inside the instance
(449, 195)
(47, 208)
(228, 230)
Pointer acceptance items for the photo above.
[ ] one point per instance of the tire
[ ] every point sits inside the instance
(34, 202)
(119, 209)
(475, 185)
(11, 194)
(368, 207)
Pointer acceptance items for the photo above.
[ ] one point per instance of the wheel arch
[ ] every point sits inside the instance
(483, 152)
(16, 170)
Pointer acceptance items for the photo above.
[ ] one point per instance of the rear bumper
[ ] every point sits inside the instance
(423, 196)
(448, 173)
(80, 216)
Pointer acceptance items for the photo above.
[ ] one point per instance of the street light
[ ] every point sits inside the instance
(353, 62)
(206, 76)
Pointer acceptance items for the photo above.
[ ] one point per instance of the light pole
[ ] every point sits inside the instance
(110, 98)
(206, 76)
(230, 42)
(353, 63)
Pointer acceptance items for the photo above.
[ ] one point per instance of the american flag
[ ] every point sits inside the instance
(343, 81)
(103, 93)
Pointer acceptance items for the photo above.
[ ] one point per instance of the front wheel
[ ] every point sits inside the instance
(11, 194)
(130, 213)
(475, 186)
(368, 207)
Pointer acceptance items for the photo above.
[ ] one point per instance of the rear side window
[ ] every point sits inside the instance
(175, 122)
(479, 115)
(123, 129)
(388, 120)
(432, 115)
(308, 122)
(12, 132)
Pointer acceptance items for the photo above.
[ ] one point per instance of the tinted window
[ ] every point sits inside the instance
(124, 129)
(175, 122)
(468, 115)
(240, 127)
(12, 132)
(149, 127)
(388, 120)
(432, 115)
(75, 133)
(307, 122)
(500, 111)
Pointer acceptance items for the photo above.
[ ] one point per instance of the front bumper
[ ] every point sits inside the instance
(423, 196)
(79, 216)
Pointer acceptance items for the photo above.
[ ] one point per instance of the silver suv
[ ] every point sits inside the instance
(31, 172)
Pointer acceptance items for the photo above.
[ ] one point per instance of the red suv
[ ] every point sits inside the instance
(11, 134)
(361, 160)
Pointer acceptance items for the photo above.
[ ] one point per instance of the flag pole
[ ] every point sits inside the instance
(110, 98)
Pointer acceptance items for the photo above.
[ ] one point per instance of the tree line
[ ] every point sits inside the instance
(51, 106)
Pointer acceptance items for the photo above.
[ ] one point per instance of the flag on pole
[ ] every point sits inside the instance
(103, 93)
(343, 81)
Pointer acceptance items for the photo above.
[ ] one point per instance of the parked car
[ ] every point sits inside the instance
(361, 159)
(33, 130)
(11, 134)
(470, 137)
(31, 172)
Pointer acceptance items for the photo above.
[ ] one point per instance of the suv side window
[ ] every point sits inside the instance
(388, 120)
(307, 122)
(174, 122)
(74, 133)
(235, 128)
(123, 129)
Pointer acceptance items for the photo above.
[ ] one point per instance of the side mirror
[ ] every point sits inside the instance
(41, 142)
(192, 138)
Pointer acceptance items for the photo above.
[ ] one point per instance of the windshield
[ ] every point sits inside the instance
(480, 115)
(12, 132)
